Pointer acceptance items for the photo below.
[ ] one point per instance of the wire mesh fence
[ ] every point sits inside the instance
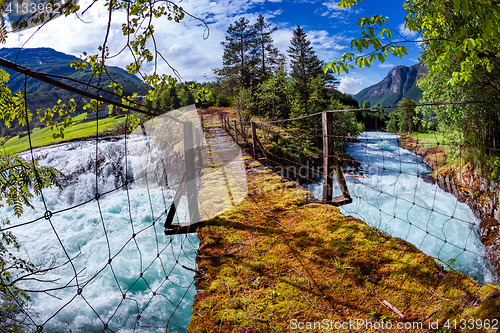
(101, 259)
(104, 262)
(432, 199)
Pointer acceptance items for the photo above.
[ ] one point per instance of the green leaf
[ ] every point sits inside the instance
(471, 42)
(4, 76)
(465, 6)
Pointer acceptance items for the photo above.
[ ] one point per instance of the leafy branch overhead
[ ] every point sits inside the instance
(476, 42)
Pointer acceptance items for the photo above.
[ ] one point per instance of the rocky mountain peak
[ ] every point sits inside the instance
(399, 83)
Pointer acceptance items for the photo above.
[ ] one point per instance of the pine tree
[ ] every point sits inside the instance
(239, 55)
(305, 63)
(266, 53)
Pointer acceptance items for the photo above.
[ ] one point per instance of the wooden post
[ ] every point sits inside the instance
(199, 144)
(175, 203)
(327, 157)
(330, 161)
(202, 123)
(221, 117)
(235, 132)
(191, 189)
(340, 178)
(254, 139)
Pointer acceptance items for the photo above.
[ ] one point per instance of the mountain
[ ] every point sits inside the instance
(46, 60)
(398, 84)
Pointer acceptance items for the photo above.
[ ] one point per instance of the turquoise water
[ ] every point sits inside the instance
(128, 228)
(390, 194)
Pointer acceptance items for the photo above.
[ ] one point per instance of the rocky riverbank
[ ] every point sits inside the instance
(481, 194)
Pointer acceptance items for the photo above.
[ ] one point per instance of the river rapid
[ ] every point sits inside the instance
(130, 293)
(389, 192)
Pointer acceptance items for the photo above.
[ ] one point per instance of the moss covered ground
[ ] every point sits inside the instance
(275, 264)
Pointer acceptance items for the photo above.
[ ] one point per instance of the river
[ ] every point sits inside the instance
(389, 193)
(382, 197)
(134, 284)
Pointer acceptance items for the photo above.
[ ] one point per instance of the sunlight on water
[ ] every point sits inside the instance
(391, 196)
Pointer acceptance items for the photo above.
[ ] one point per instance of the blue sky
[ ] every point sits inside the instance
(329, 28)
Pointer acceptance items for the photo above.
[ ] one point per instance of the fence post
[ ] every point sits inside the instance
(341, 180)
(330, 161)
(199, 144)
(327, 157)
(235, 132)
(254, 139)
(191, 189)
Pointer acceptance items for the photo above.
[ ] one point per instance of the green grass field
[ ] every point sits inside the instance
(80, 117)
(43, 137)
(428, 138)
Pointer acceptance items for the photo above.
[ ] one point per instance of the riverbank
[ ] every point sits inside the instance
(479, 193)
(276, 263)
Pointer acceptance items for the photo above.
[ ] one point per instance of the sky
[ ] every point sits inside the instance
(193, 51)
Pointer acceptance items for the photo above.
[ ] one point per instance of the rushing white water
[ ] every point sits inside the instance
(125, 225)
(389, 193)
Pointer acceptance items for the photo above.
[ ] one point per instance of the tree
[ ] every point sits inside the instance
(464, 29)
(469, 74)
(273, 96)
(461, 49)
(402, 120)
(267, 54)
(185, 97)
(305, 64)
(239, 55)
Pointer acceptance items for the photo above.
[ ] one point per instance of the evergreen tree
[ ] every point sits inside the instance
(266, 53)
(273, 96)
(185, 96)
(305, 63)
(239, 55)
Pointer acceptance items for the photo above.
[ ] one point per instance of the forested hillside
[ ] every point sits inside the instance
(41, 95)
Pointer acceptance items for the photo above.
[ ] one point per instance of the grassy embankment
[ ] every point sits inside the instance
(43, 137)
(274, 261)
(429, 145)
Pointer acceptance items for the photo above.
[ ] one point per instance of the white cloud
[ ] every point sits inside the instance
(386, 65)
(326, 46)
(353, 84)
(333, 11)
(405, 32)
(182, 44)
